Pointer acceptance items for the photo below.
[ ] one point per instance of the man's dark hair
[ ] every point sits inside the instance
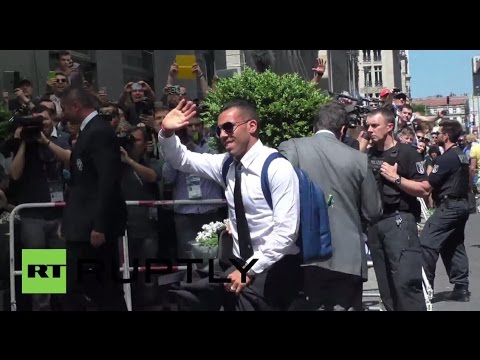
(247, 109)
(452, 128)
(63, 53)
(400, 96)
(47, 99)
(407, 131)
(159, 108)
(40, 109)
(434, 149)
(406, 106)
(332, 117)
(386, 112)
(142, 129)
(84, 97)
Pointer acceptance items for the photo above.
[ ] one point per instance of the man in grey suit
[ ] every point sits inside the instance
(343, 174)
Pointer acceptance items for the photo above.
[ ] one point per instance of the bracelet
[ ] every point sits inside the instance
(203, 75)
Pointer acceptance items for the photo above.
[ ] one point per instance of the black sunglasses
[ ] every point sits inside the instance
(61, 80)
(229, 127)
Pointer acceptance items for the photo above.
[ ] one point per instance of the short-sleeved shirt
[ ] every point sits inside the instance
(450, 174)
(410, 166)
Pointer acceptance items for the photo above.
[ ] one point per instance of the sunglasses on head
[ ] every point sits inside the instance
(229, 127)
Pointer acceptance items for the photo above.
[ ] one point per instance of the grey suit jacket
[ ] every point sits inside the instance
(343, 173)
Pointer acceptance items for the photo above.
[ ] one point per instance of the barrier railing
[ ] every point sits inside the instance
(125, 269)
(426, 287)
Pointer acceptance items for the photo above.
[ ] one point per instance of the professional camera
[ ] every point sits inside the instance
(31, 126)
(357, 115)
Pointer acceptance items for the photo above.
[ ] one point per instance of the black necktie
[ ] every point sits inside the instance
(244, 240)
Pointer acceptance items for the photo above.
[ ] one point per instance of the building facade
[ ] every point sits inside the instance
(106, 68)
(457, 107)
(380, 69)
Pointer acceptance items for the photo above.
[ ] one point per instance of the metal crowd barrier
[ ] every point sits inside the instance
(125, 269)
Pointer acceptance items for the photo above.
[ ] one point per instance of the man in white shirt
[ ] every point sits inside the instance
(259, 233)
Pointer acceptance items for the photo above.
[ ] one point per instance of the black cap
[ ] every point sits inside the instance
(400, 96)
(24, 82)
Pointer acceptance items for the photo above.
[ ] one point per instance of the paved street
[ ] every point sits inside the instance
(442, 285)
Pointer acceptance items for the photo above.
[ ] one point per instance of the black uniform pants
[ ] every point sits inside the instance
(96, 290)
(397, 260)
(444, 234)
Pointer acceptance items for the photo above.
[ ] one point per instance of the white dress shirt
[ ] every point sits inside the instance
(87, 119)
(273, 233)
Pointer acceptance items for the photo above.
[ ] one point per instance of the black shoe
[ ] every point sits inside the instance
(461, 295)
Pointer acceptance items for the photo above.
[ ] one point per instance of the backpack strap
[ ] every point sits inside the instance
(225, 168)
(264, 177)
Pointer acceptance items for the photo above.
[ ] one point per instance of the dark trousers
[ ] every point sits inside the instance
(142, 248)
(326, 290)
(274, 289)
(444, 234)
(93, 291)
(397, 260)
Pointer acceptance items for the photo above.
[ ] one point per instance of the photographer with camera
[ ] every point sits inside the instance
(37, 168)
(201, 81)
(138, 98)
(23, 103)
(140, 175)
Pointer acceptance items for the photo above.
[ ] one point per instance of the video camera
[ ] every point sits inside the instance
(356, 108)
(31, 126)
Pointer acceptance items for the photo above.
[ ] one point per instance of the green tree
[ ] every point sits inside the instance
(5, 115)
(285, 103)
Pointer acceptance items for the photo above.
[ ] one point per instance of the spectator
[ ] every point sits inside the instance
(38, 169)
(189, 219)
(138, 98)
(70, 69)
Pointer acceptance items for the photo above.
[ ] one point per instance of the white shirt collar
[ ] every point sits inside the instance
(87, 119)
(54, 132)
(251, 154)
(324, 131)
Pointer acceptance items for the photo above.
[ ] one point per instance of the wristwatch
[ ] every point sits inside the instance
(398, 180)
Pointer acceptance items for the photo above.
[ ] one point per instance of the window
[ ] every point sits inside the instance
(378, 76)
(377, 55)
(368, 75)
(366, 55)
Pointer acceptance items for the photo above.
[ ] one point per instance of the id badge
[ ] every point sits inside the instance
(193, 186)
(56, 191)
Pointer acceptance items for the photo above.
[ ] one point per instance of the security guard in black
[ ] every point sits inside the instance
(393, 241)
(444, 232)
